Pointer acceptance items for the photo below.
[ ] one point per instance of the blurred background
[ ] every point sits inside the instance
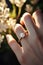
(7, 57)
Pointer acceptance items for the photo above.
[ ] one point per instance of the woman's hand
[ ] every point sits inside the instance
(31, 52)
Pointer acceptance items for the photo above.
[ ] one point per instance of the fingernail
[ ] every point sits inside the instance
(26, 16)
(23, 17)
(9, 38)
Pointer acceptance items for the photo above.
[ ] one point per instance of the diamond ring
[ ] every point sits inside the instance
(23, 35)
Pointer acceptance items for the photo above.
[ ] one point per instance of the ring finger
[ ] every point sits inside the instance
(33, 38)
(18, 30)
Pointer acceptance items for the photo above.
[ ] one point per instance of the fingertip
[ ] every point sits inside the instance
(37, 17)
(17, 26)
(37, 12)
(24, 16)
(9, 38)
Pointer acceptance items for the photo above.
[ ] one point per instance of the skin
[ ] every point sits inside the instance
(31, 52)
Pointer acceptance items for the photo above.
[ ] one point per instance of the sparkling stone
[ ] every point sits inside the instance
(22, 35)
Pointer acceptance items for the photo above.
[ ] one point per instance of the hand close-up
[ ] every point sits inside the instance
(30, 52)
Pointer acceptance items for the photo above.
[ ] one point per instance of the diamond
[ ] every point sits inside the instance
(22, 35)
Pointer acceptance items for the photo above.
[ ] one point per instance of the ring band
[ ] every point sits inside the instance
(23, 35)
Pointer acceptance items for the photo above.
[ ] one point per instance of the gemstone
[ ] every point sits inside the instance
(22, 35)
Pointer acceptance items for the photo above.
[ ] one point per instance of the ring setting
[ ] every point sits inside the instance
(23, 35)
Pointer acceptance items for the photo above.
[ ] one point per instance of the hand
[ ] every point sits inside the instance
(31, 52)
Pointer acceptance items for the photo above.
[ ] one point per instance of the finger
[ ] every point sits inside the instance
(38, 17)
(18, 29)
(33, 39)
(14, 46)
(25, 44)
(27, 20)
